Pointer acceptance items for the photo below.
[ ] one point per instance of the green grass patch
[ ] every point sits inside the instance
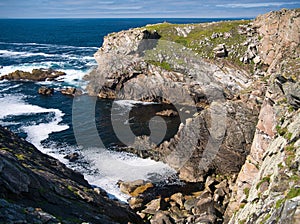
(246, 191)
(164, 65)
(290, 159)
(280, 166)
(281, 131)
(288, 135)
(199, 38)
(20, 156)
(266, 218)
(6, 149)
(294, 192)
(279, 203)
(290, 109)
(243, 221)
(70, 188)
(290, 148)
(263, 180)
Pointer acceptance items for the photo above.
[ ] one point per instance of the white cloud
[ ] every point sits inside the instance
(256, 5)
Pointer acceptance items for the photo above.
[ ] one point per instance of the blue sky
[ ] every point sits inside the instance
(139, 8)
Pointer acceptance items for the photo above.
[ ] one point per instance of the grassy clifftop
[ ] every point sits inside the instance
(205, 37)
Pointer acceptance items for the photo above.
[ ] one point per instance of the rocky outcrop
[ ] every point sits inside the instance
(134, 188)
(139, 65)
(71, 91)
(36, 188)
(136, 65)
(35, 75)
(280, 35)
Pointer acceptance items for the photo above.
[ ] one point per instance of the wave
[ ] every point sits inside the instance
(6, 53)
(131, 103)
(114, 166)
(15, 105)
(9, 88)
(22, 54)
(48, 45)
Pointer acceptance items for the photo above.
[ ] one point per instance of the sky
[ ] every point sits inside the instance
(140, 9)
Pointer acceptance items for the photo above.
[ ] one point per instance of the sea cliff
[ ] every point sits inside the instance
(238, 150)
(242, 79)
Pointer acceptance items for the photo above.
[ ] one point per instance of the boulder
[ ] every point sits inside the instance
(68, 91)
(71, 91)
(220, 51)
(136, 203)
(153, 206)
(160, 218)
(134, 188)
(178, 198)
(44, 90)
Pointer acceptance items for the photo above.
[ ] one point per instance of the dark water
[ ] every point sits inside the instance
(48, 122)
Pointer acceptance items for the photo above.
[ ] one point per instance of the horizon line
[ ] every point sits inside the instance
(237, 17)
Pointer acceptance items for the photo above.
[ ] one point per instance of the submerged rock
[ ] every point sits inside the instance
(167, 113)
(72, 157)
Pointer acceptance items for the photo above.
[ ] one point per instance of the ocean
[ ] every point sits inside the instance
(47, 121)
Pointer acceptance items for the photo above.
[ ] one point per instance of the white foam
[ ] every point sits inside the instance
(9, 87)
(28, 67)
(74, 77)
(114, 166)
(18, 54)
(131, 103)
(48, 45)
(37, 133)
(14, 105)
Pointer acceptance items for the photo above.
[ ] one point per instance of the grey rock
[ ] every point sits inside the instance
(220, 51)
(160, 218)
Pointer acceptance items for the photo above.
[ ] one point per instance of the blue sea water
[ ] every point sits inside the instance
(68, 45)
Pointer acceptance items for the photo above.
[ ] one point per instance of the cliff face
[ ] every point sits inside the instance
(267, 188)
(36, 188)
(241, 80)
